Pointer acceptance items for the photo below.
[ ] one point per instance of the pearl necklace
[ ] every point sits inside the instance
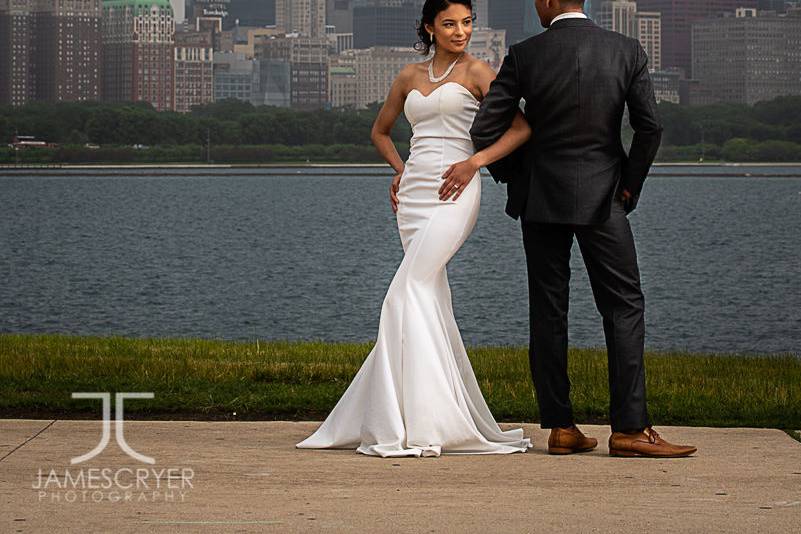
(437, 79)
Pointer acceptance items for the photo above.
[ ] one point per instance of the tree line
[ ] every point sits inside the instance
(240, 132)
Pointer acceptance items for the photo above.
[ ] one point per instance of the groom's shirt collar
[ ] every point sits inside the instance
(570, 15)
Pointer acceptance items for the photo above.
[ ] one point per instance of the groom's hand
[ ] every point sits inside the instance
(626, 199)
(456, 179)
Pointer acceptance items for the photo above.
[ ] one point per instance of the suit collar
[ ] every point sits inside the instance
(571, 23)
(569, 15)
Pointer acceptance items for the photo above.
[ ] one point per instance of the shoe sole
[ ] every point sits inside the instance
(561, 451)
(634, 454)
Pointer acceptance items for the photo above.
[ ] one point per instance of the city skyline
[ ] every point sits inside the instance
(125, 52)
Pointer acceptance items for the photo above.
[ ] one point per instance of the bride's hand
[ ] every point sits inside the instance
(393, 191)
(457, 177)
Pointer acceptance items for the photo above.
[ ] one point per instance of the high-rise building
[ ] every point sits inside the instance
(17, 77)
(307, 59)
(138, 52)
(246, 39)
(203, 14)
(646, 26)
(306, 17)
(677, 19)
(649, 32)
(275, 80)
(376, 68)
(748, 57)
(667, 86)
(618, 16)
(236, 76)
(363, 77)
(68, 50)
(17, 81)
(339, 13)
(385, 23)
(194, 70)
(342, 82)
(50, 50)
(518, 17)
(208, 16)
(339, 42)
(255, 13)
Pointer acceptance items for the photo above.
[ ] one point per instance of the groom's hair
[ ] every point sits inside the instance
(572, 3)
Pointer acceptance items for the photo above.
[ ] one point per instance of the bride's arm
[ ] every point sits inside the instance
(382, 127)
(459, 174)
(517, 134)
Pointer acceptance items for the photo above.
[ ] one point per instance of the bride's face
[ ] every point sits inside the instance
(452, 28)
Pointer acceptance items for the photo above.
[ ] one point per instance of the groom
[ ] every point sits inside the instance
(573, 179)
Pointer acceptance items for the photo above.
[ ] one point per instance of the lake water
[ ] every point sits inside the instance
(309, 253)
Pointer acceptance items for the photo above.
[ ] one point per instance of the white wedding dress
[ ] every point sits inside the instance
(416, 394)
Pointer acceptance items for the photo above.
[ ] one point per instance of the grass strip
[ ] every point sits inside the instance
(213, 379)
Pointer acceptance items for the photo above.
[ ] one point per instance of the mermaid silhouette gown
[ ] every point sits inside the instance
(416, 394)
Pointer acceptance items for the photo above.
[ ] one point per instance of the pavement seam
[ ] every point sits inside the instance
(18, 447)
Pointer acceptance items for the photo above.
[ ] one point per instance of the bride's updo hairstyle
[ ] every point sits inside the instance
(431, 9)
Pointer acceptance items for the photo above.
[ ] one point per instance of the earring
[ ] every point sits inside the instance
(432, 37)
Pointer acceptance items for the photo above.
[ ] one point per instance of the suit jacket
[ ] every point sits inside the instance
(576, 79)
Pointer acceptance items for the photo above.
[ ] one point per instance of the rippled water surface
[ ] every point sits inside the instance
(309, 253)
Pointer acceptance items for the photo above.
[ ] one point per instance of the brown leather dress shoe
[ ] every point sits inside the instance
(569, 441)
(647, 444)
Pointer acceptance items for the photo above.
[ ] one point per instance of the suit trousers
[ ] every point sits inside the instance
(611, 261)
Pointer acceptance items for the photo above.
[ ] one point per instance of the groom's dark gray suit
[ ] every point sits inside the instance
(576, 79)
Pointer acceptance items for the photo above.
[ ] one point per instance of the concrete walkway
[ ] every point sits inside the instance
(248, 477)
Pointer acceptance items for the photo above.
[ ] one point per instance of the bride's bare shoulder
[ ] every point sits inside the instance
(479, 67)
(413, 70)
(408, 76)
(480, 75)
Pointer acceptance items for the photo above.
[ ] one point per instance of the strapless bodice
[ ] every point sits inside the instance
(447, 112)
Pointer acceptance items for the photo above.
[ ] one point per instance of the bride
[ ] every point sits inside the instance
(416, 394)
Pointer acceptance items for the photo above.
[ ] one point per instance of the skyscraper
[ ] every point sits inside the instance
(747, 58)
(339, 13)
(518, 17)
(250, 13)
(385, 22)
(677, 19)
(304, 60)
(208, 16)
(50, 51)
(138, 41)
(236, 76)
(649, 32)
(17, 81)
(623, 17)
(618, 16)
(200, 12)
(194, 70)
(306, 17)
